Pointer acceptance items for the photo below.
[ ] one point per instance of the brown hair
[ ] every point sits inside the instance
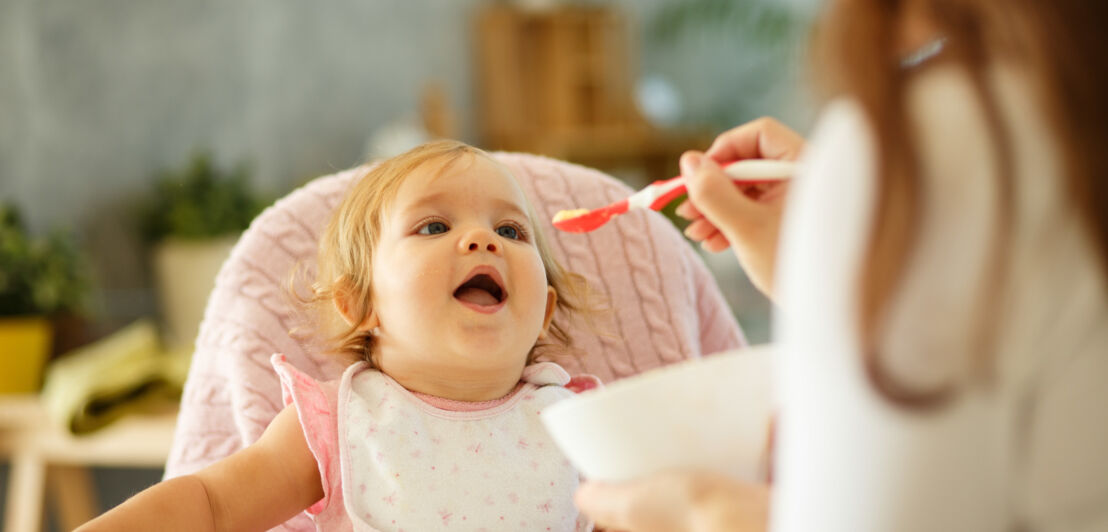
(1061, 45)
(346, 247)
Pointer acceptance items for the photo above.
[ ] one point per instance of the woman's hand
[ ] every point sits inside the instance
(677, 502)
(745, 218)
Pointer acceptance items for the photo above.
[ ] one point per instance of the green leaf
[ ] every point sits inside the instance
(201, 201)
(40, 276)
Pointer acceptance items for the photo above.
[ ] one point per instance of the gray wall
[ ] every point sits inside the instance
(97, 96)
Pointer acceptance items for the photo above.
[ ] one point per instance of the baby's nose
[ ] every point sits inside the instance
(477, 240)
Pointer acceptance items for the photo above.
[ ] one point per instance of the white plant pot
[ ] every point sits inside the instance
(184, 275)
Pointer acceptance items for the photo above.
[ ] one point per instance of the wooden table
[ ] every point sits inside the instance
(45, 458)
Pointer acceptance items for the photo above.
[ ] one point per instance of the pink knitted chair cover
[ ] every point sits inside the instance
(666, 307)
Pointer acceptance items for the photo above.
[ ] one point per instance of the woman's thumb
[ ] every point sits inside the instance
(713, 193)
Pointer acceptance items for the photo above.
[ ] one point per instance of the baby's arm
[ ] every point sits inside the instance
(256, 488)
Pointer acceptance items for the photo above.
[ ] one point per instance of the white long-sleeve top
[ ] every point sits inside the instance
(1027, 449)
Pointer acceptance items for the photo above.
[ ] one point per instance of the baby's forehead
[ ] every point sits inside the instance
(471, 175)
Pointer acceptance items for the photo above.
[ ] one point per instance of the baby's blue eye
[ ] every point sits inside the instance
(508, 231)
(433, 228)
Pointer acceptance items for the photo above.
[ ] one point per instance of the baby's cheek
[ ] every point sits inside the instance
(538, 293)
(425, 276)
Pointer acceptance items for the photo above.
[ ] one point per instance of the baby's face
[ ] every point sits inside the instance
(458, 283)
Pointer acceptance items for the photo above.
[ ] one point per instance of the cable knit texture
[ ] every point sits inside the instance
(664, 305)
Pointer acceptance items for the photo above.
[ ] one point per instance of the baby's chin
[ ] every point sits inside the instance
(468, 345)
(491, 353)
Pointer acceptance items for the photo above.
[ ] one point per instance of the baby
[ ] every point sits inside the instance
(443, 291)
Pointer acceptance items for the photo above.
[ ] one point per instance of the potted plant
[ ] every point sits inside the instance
(40, 279)
(192, 221)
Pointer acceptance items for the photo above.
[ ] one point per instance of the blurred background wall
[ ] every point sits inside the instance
(98, 97)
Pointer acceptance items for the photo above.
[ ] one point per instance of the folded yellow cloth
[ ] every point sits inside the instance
(123, 373)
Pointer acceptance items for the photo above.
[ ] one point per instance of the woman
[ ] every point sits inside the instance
(942, 275)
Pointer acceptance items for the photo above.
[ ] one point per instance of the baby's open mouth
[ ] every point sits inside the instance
(481, 289)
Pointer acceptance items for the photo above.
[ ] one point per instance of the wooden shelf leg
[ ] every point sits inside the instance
(25, 493)
(73, 495)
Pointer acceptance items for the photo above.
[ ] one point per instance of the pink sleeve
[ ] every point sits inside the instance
(316, 407)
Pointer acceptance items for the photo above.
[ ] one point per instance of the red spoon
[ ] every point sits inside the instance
(659, 193)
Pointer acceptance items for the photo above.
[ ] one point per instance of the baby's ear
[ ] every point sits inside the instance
(347, 305)
(551, 306)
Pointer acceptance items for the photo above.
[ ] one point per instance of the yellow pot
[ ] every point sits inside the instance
(24, 346)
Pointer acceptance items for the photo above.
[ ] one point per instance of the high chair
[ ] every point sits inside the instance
(665, 306)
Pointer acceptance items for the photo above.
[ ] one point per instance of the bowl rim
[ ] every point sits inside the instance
(634, 382)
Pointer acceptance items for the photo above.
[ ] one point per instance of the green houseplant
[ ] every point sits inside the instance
(40, 279)
(192, 221)
(200, 202)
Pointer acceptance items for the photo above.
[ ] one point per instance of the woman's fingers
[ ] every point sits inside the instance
(676, 501)
(764, 138)
(714, 194)
(700, 229)
(605, 504)
(688, 211)
(748, 225)
(762, 192)
(709, 237)
(744, 218)
(716, 243)
(655, 504)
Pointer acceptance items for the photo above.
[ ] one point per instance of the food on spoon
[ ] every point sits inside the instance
(573, 213)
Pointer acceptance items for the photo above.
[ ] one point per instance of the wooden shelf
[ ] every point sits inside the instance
(559, 82)
(46, 458)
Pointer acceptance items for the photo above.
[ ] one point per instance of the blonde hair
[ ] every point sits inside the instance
(348, 244)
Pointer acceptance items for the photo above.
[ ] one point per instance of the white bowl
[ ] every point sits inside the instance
(711, 413)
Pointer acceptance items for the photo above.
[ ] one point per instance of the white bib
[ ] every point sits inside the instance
(407, 465)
